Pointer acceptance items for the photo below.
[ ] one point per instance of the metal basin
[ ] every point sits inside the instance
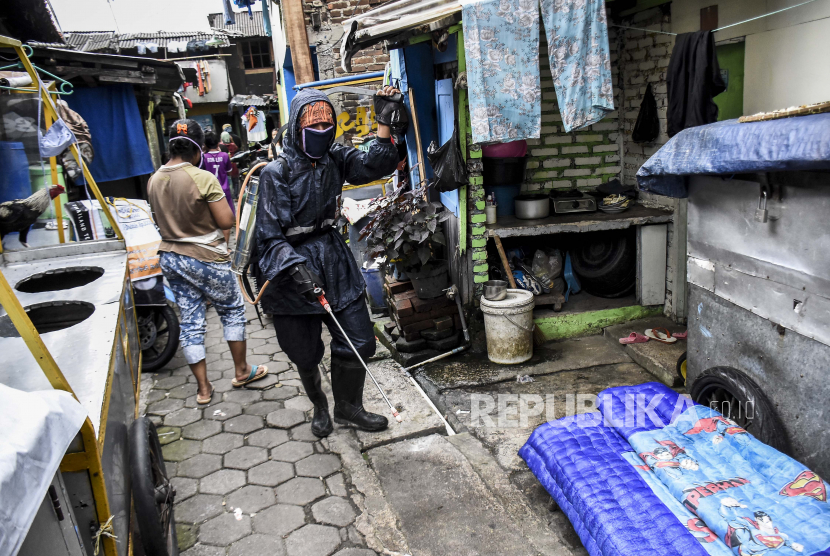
(495, 290)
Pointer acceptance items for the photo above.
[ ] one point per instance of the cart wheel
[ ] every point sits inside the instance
(158, 331)
(681, 367)
(738, 398)
(152, 492)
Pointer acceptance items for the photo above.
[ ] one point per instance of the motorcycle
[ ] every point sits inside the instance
(158, 325)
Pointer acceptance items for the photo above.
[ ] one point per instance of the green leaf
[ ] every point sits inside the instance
(424, 254)
(431, 225)
(438, 237)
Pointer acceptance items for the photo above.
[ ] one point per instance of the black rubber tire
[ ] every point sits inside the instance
(156, 523)
(747, 404)
(606, 264)
(155, 357)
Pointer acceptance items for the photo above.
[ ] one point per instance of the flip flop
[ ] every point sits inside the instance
(662, 335)
(252, 377)
(681, 335)
(634, 338)
(205, 401)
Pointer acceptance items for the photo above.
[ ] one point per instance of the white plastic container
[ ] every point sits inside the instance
(508, 325)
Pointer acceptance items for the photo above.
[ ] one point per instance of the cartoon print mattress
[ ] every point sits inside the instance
(653, 473)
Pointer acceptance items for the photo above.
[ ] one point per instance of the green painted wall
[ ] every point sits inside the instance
(731, 101)
(571, 325)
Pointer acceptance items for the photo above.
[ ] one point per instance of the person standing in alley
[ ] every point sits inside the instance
(190, 208)
(299, 249)
(219, 164)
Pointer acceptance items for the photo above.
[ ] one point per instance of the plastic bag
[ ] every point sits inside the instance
(647, 127)
(547, 267)
(447, 164)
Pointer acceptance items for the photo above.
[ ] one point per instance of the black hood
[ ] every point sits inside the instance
(292, 145)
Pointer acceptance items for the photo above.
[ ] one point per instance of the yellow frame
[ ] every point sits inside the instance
(52, 115)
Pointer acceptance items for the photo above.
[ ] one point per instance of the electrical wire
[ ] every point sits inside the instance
(719, 28)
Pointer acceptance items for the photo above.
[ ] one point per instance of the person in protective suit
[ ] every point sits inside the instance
(299, 250)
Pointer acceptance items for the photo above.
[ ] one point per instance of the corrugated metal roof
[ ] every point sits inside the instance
(95, 41)
(245, 26)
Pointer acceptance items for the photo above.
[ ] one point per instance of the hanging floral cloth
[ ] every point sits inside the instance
(501, 42)
(577, 32)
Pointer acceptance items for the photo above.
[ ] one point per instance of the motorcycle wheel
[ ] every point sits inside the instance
(158, 330)
(153, 494)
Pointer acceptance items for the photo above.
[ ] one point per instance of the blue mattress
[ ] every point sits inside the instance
(653, 473)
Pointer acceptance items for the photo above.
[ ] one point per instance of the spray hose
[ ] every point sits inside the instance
(238, 212)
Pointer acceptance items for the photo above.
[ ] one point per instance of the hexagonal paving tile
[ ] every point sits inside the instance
(181, 450)
(279, 520)
(313, 540)
(241, 396)
(183, 391)
(356, 552)
(182, 417)
(223, 411)
(268, 438)
(198, 508)
(222, 386)
(169, 382)
(185, 488)
(292, 451)
(270, 381)
(222, 482)
(300, 491)
(165, 406)
(303, 433)
(155, 395)
(245, 457)
(262, 408)
(185, 535)
(224, 530)
(281, 393)
(333, 511)
(168, 435)
(285, 418)
(222, 443)
(251, 499)
(266, 349)
(201, 429)
(337, 485)
(200, 466)
(300, 403)
(244, 424)
(318, 465)
(204, 550)
(270, 473)
(254, 545)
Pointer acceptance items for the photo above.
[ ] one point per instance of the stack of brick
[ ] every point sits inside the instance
(421, 328)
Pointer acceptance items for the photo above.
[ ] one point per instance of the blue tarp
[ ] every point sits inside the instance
(653, 473)
(726, 148)
(118, 138)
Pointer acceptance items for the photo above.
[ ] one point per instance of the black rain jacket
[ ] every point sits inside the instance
(296, 214)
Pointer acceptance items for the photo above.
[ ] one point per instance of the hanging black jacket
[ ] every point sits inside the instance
(693, 79)
(296, 213)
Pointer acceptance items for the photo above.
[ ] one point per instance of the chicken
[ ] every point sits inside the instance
(20, 214)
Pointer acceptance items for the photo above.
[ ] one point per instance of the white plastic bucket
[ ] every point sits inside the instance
(508, 325)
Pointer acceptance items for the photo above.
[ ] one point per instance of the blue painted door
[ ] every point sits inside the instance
(445, 111)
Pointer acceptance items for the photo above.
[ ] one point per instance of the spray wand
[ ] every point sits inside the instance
(324, 302)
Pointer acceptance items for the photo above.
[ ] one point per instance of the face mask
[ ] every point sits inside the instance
(316, 143)
(55, 140)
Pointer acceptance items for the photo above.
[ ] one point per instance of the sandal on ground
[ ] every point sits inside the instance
(662, 335)
(205, 401)
(634, 338)
(255, 375)
(681, 335)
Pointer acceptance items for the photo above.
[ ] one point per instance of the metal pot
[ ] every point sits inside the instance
(495, 290)
(532, 207)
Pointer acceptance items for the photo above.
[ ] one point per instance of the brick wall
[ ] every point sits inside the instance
(584, 158)
(644, 59)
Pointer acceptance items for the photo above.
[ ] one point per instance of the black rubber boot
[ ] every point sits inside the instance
(347, 379)
(321, 424)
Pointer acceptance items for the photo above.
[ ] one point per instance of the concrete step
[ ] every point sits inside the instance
(657, 358)
(445, 506)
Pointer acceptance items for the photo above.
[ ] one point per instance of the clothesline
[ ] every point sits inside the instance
(719, 28)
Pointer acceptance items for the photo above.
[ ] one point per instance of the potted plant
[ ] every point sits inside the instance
(404, 230)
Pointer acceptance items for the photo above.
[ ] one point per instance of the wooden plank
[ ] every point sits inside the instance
(504, 261)
(298, 41)
(638, 215)
(148, 80)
